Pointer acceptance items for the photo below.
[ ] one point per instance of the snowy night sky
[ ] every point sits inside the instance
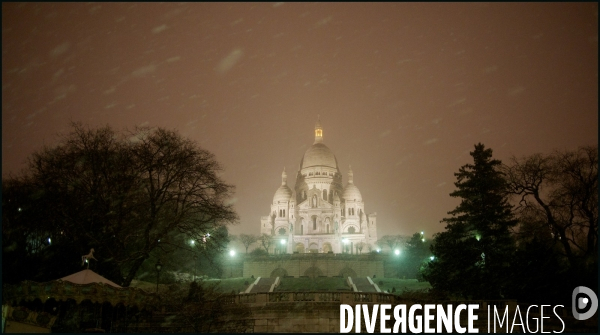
(403, 90)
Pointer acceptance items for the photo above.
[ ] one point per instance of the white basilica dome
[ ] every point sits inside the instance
(318, 155)
(283, 193)
(351, 192)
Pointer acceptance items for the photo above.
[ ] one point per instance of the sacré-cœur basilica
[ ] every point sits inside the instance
(320, 215)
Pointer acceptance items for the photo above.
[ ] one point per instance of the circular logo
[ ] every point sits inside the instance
(584, 303)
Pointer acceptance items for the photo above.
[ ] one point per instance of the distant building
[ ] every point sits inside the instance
(320, 215)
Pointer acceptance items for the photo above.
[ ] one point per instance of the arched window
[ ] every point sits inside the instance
(283, 213)
(302, 230)
(324, 194)
(314, 220)
(328, 229)
(314, 201)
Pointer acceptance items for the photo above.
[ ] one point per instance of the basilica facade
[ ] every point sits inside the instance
(320, 215)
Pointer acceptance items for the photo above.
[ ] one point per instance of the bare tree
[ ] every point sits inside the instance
(266, 241)
(360, 246)
(392, 241)
(558, 194)
(247, 240)
(127, 196)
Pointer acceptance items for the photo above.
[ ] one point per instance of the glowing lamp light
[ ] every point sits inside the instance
(378, 250)
(422, 240)
(192, 242)
(431, 258)
(397, 252)
(232, 253)
(345, 241)
(422, 232)
(282, 242)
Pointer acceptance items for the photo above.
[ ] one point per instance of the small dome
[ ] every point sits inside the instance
(318, 155)
(351, 192)
(283, 193)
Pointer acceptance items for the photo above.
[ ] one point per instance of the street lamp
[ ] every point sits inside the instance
(232, 254)
(397, 252)
(158, 268)
(195, 267)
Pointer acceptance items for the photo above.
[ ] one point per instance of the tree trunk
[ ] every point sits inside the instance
(133, 270)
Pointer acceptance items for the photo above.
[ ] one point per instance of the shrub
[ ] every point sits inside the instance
(258, 252)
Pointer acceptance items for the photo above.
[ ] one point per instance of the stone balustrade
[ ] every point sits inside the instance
(349, 298)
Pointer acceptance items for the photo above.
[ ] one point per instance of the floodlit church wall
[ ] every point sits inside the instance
(265, 225)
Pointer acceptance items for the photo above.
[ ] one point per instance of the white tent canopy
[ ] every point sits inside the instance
(88, 276)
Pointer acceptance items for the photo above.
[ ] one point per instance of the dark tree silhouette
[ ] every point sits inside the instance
(416, 255)
(472, 256)
(125, 195)
(266, 241)
(248, 240)
(558, 196)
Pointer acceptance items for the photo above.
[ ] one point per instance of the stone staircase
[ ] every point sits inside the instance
(364, 284)
(262, 285)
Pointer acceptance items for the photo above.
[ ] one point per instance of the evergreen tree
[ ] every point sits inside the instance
(472, 256)
(416, 255)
